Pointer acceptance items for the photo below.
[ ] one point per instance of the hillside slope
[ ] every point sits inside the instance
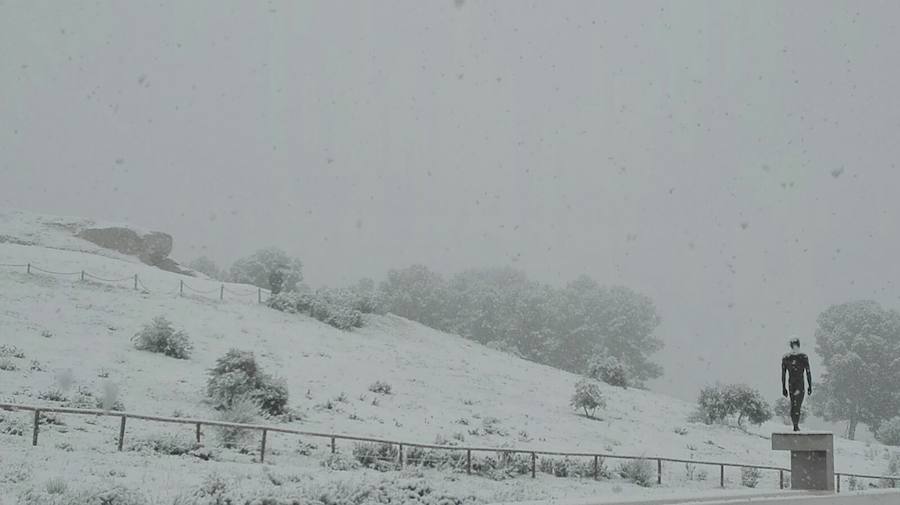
(443, 385)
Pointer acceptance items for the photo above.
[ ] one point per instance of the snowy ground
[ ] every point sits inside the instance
(443, 386)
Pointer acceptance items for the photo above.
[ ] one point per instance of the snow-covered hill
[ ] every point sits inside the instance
(443, 386)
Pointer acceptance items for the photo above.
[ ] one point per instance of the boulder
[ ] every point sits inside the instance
(151, 248)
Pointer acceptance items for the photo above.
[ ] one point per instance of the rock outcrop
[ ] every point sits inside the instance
(151, 248)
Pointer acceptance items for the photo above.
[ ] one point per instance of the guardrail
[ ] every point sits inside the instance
(334, 437)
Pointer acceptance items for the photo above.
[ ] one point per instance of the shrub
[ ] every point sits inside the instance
(56, 486)
(380, 387)
(11, 351)
(160, 337)
(52, 395)
(638, 471)
(8, 365)
(566, 467)
(889, 432)
(105, 495)
(610, 370)
(270, 269)
(492, 426)
(750, 476)
(242, 410)
(236, 374)
(165, 443)
(718, 403)
(587, 397)
(337, 308)
(376, 455)
(12, 425)
(340, 462)
(292, 302)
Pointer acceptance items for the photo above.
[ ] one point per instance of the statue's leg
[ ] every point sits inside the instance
(796, 405)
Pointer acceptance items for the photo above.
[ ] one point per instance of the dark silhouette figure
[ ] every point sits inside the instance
(794, 364)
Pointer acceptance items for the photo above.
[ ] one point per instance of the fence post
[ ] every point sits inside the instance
(222, 292)
(722, 475)
(28, 268)
(659, 471)
(780, 479)
(181, 287)
(122, 433)
(838, 477)
(596, 467)
(469, 461)
(533, 464)
(400, 455)
(37, 419)
(258, 295)
(82, 276)
(135, 282)
(198, 433)
(262, 448)
(333, 449)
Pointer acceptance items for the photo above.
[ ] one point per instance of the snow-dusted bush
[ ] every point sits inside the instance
(588, 397)
(339, 462)
(11, 351)
(52, 395)
(566, 467)
(64, 495)
(336, 307)
(380, 387)
(376, 455)
(292, 302)
(160, 337)
(241, 410)
(889, 432)
(236, 374)
(8, 365)
(720, 402)
(56, 485)
(11, 424)
(750, 476)
(164, 443)
(610, 370)
(638, 471)
(270, 269)
(218, 491)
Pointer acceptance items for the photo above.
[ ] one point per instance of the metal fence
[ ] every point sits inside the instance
(137, 283)
(264, 430)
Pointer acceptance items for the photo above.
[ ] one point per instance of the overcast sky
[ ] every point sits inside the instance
(734, 161)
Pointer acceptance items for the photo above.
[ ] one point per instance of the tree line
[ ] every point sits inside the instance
(606, 332)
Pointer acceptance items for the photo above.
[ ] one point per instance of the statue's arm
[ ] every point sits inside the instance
(783, 375)
(808, 377)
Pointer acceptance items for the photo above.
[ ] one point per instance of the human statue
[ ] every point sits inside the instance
(794, 365)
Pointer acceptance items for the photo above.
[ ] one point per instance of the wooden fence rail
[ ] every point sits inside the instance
(333, 437)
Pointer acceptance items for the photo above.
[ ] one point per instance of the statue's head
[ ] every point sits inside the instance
(794, 343)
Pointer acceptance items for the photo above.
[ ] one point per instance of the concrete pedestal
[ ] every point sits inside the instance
(812, 458)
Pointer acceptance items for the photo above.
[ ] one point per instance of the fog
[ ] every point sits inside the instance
(735, 162)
